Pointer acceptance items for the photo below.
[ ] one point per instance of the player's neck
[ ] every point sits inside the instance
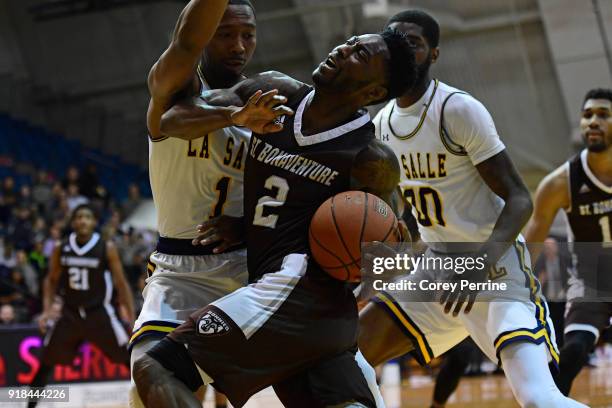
(415, 93)
(321, 115)
(218, 81)
(600, 164)
(83, 239)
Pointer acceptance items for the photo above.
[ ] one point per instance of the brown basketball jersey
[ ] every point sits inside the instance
(85, 279)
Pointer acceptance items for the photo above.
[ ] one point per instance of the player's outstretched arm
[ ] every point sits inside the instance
(119, 281)
(175, 68)
(254, 103)
(499, 173)
(50, 287)
(552, 195)
(377, 171)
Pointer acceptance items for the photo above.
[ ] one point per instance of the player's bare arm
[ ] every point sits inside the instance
(254, 103)
(551, 195)
(175, 70)
(120, 282)
(50, 284)
(500, 175)
(377, 171)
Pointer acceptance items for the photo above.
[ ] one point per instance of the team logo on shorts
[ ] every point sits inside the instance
(212, 324)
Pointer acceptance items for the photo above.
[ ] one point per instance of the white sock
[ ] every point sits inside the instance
(370, 376)
(526, 367)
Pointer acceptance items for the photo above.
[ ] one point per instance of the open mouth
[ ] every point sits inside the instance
(330, 62)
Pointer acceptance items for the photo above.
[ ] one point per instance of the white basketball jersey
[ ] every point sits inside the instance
(195, 180)
(437, 153)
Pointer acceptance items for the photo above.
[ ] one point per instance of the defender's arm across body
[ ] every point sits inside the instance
(254, 103)
(175, 70)
(50, 285)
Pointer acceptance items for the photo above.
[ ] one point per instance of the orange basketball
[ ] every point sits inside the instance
(341, 224)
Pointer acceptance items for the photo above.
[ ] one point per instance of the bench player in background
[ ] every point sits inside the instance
(293, 326)
(198, 176)
(463, 188)
(583, 188)
(83, 270)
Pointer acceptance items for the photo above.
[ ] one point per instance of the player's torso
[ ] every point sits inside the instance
(288, 177)
(85, 279)
(198, 179)
(590, 215)
(449, 199)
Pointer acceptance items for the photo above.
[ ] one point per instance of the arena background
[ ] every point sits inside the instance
(73, 98)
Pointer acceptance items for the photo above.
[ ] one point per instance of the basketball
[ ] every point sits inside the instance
(341, 224)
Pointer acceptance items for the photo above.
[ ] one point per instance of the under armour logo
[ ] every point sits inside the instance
(385, 138)
(584, 189)
(212, 324)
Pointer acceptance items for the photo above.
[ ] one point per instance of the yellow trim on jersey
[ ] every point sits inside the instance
(421, 120)
(520, 247)
(146, 328)
(161, 139)
(520, 332)
(411, 329)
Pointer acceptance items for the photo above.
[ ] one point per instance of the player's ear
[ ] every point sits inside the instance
(376, 93)
(435, 53)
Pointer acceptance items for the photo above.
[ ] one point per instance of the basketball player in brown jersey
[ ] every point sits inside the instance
(83, 269)
(292, 317)
(583, 188)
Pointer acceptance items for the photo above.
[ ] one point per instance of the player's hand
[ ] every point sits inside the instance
(260, 112)
(43, 322)
(227, 231)
(467, 296)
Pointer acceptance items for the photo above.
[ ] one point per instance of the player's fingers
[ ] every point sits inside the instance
(470, 304)
(450, 301)
(272, 128)
(208, 224)
(275, 100)
(222, 247)
(211, 239)
(266, 97)
(460, 302)
(253, 99)
(205, 235)
(282, 110)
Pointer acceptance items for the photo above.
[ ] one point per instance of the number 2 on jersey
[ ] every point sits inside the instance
(282, 189)
(79, 278)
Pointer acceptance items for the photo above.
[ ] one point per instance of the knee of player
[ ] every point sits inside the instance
(146, 372)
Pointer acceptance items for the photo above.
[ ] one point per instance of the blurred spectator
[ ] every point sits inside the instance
(89, 181)
(74, 197)
(132, 202)
(7, 314)
(30, 276)
(39, 229)
(72, 177)
(37, 258)
(55, 234)
(8, 260)
(12, 289)
(8, 191)
(25, 196)
(42, 193)
(112, 228)
(20, 229)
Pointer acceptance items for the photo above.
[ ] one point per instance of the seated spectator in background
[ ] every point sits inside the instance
(7, 315)
(132, 202)
(112, 229)
(74, 197)
(55, 234)
(37, 258)
(39, 229)
(25, 197)
(72, 177)
(20, 230)
(8, 199)
(88, 183)
(8, 259)
(11, 290)
(42, 192)
(30, 276)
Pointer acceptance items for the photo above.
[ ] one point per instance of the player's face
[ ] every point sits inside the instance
(596, 124)
(424, 55)
(233, 44)
(357, 68)
(84, 222)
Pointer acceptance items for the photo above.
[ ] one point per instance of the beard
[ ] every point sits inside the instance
(596, 146)
(423, 70)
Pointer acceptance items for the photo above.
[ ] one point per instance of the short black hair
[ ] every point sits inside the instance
(598, 93)
(431, 28)
(242, 3)
(401, 67)
(83, 207)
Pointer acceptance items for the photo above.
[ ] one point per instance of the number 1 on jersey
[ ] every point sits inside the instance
(222, 187)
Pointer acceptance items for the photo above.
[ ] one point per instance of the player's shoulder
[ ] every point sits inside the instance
(555, 185)
(458, 101)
